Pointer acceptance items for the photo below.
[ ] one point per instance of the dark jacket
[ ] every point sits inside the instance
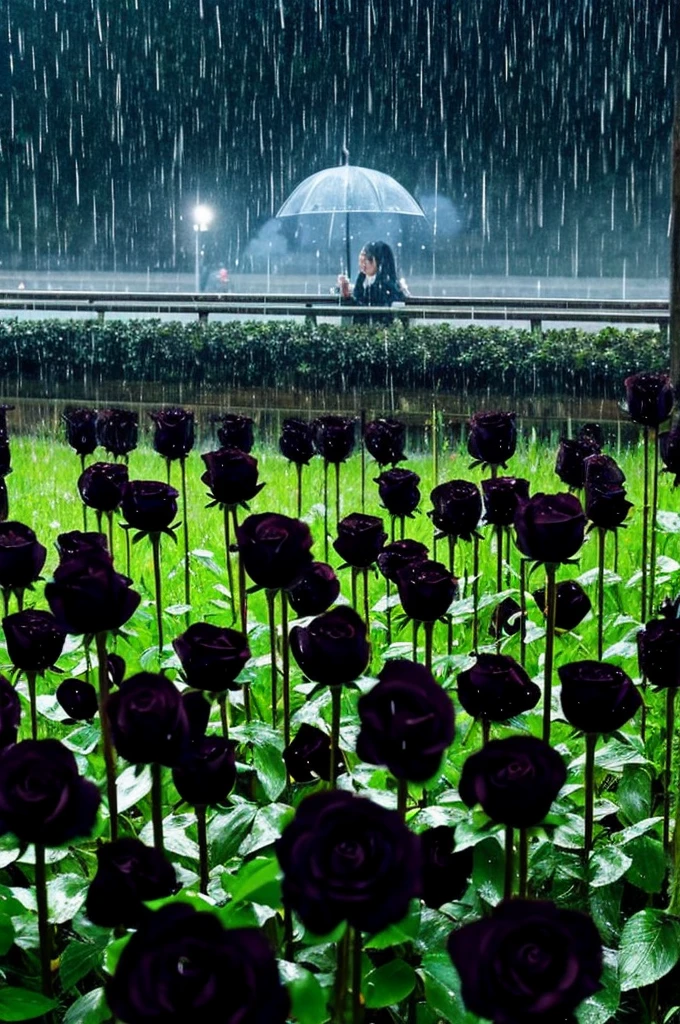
(383, 292)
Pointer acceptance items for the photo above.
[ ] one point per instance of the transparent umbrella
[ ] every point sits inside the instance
(348, 189)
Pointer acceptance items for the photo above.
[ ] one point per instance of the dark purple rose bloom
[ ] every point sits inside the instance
(77, 542)
(659, 652)
(21, 556)
(10, 713)
(148, 720)
(426, 590)
(42, 797)
(593, 432)
(602, 472)
(550, 527)
(212, 657)
(334, 438)
(308, 756)
(649, 397)
(174, 432)
(275, 549)
(236, 431)
(572, 604)
(206, 775)
(407, 722)
(501, 495)
(457, 508)
(384, 440)
(605, 496)
(297, 441)
(515, 780)
(78, 698)
(571, 456)
(182, 965)
(149, 505)
(496, 688)
(396, 556)
(88, 596)
(101, 485)
(115, 666)
(5, 458)
(81, 432)
(333, 648)
(35, 639)
(501, 618)
(530, 962)
(231, 476)
(197, 710)
(398, 490)
(597, 697)
(360, 539)
(314, 591)
(493, 437)
(117, 431)
(128, 875)
(669, 448)
(446, 872)
(346, 858)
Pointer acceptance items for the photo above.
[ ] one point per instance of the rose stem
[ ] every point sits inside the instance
(43, 922)
(82, 470)
(522, 611)
(336, 693)
(645, 527)
(616, 551)
(109, 524)
(670, 730)
(452, 566)
(652, 521)
(156, 548)
(271, 598)
(202, 847)
(415, 640)
(230, 568)
(246, 701)
(354, 587)
(429, 629)
(508, 573)
(499, 558)
(157, 805)
(342, 970)
(367, 610)
(602, 533)
(185, 531)
(285, 669)
(325, 510)
(475, 592)
(127, 552)
(674, 905)
(105, 726)
(19, 593)
(242, 596)
(435, 453)
(357, 1009)
(402, 797)
(224, 714)
(402, 527)
(550, 570)
(298, 467)
(523, 864)
(30, 679)
(98, 517)
(337, 494)
(589, 783)
(486, 730)
(509, 862)
(363, 460)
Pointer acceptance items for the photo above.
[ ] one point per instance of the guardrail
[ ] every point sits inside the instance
(510, 310)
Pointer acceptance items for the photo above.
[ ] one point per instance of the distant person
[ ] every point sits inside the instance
(377, 283)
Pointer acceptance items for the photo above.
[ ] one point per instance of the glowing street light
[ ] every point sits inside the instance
(203, 216)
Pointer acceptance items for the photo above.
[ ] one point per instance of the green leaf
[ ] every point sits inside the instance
(634, 793)
(6, 934)
(10, 848)
(389, 984)
(78, 959)
(270, 768)
(257, 880)
(588, 578)
(133, 785)
(22, 1004)
(648, 868)
(175, 838)
(89, 1009)
(442, 987)
(649, 948)
(268, 825)
(488, 872)
(82, 740)
(309, 1002)
(228, 829)
(65, 896)
(403, 931)
(607, 865)
(113, 952)
(602, 1006)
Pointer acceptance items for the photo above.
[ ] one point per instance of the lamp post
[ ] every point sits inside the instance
(203, 215)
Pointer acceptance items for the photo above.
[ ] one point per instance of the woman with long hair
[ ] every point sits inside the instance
(376, 284)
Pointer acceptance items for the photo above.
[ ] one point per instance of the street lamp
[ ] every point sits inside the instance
(203, 215)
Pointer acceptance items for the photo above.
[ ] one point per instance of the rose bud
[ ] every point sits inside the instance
(360, 539)
(115, 667)
(197, 711)
(530, 961)
(445, 873)
(384, 440)
(35, 639)
(396, 556)
(183, 965)
(457, 508)
(669, 449)
(174, 433)
(10, 714)
(550, 527)
(212, 656)
(426, 590)
(334, 438)
(231, 476)
(570, 462)
(314, 591)
(407, 722)
(149, 505)
(496, 688)
(148, 720)
(297, 441)
(78, 698)
(5, 458)
(493, 437)
(398, 490)
(501, 495)
(129, 874)
(42, 797)
(505, 618)
(659, 652)
(597, 697)
(88, 596)
(21, 556)
(81, 433)
(345, 858)
(207, 774)
(236, 432)
(592, 432)
(607, 508)
(602, 472)
(649, 397)
(117, 431)
(275, 549)
(101, 485)
(572, 604)
(308, 756)
(77, 542)
(333, 648)
(515, 780)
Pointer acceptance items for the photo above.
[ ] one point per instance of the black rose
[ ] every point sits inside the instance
(501, 495)
(398, 490)
(457, 508)
(426, 590)
(649, 397)
(605, 497)
(572, 604)
(308, 756)
(496, 687)
(297, 441)
(149, 505)
(10, 713)
(182, 965)
(206, 775)
(407, 722)
(78, 542)
(396, 556)
(236, 432)
(669, 448)
(35, 639)
(571, 456)
(117, 431)
(21, 556)
(531, 962)
(597, 697)
(81, 433)
(174, 432)
(101, 485)
(128, 875)
(42, 797)
(87, 595)
(550, 527)
(315, 590)
(148, 720)
(346, 858)
(384, 440)
(360, 539)
(446, 871)
(602, 472)
(231, 476)
(659, 652)
(275, 549)
(333, 648)
(78, 698)
(493, 437)
(334, 438)
(594, 432)
(212, 656)
(505, 618)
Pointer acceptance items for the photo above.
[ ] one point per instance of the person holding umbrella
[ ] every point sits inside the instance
(377, 283)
